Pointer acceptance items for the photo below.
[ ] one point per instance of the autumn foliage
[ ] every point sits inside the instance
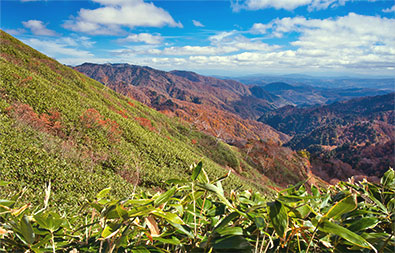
(48, 122)
(144, 122)
(91, 118)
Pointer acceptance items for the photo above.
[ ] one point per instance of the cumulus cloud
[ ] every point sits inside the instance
(38, 28)
(68, 50)
(143, 37)
(220, 43)
(286, 4)
(389, 10)
(197, 23)
(349, 43)
(15, 31)
(115, 14)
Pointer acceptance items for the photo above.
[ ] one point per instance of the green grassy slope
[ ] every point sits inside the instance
(59, 125)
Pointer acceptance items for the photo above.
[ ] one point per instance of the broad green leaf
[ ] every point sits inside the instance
(171, 217)
(6, 203)
(26, 230)
(122, 212)
(230, 231)
(227, 220)
(235, 242)
(345, 205)
(330, 227)
(141, 202)
(183, 229)
(260, 222)
(376, 201)
(50, 221)
(279, 218)
(103, 193)
(141, 211)
(389, 178)
(218, 191)
(174, 240)
(196, 171)
(164, 197)
(110, 230)
(363, 223)
(4, 183)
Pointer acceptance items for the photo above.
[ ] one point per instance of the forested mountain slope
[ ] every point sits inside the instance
(345, 138)
(223, 108)
(59, 126)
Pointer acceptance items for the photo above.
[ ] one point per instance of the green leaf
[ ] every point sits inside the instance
(176, 181)
(345, 205)
(4, 183)
(183, 229)
(230, 231)
(174, 240)
(164, 197)
(389, 178)
(6, 203)
(227, 220)
(218, 192)
(235, 242)
(50, 221)
(196, 171)
(103, 193)
(278, 217)
(171, 217)
(110, 230)
(26, 230)
(330, 227)
(363, 224)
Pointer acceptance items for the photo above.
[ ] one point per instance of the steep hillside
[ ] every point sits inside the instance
(59, 126)
(344, 138)
(188, 94)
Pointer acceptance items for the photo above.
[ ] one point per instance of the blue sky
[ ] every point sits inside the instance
(317, 37)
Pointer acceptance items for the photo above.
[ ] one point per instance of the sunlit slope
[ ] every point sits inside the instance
(59, 125)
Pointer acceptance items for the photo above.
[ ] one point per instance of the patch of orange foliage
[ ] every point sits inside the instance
(50, 122)
(144, 122)
(91, 118)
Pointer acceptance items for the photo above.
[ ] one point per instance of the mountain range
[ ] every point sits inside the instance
(300, 116)
(61, 127)
(345, 138)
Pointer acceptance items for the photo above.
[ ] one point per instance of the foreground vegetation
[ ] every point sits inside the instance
(198, 216)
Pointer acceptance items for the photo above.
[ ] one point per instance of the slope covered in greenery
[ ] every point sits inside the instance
(60, 126)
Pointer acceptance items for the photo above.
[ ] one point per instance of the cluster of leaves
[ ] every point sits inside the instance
(197, 216)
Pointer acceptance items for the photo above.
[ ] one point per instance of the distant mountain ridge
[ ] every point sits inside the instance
(211, 104)
(344, 138)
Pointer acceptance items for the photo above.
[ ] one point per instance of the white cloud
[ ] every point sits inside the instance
(197, 23)
(286, 4)
(221, 43)
(115, 14)
(143, 37)
(352, 44)
(15, 31)
(389, 10)
(67, 50)
(38, 28)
